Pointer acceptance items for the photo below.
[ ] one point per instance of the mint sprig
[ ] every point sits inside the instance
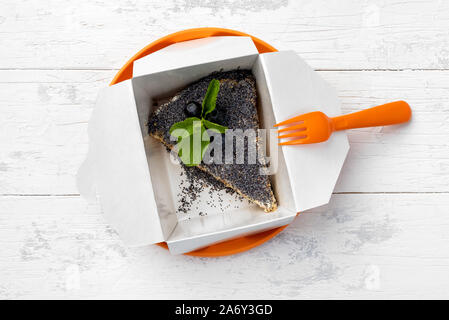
(192, 130)
(210, 99)
(214, 126)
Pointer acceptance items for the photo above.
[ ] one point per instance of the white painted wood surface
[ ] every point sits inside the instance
(385, 233)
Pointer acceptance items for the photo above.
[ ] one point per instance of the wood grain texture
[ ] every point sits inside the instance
(384, 233)
(356, 34)
(358, 246)
(44, 128)
(44, 132)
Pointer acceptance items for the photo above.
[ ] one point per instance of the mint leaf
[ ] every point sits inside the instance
(210, 99)
(194, 153)
(205, 141)
(193, 140)
(188, 131)
(187, 125)
(213, 126)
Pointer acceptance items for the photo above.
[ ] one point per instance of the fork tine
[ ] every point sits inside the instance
(291, 120)
(293, 134)
(295, 127)
(293, 142)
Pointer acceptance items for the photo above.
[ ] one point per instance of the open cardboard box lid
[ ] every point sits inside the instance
(131, 173)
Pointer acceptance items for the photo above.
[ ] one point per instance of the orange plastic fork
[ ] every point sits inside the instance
(316, 127)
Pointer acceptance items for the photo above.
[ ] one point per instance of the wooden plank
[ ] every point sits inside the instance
(376, 34)
(387, 238)
(43, 130)
(412, 157)
(358, 246)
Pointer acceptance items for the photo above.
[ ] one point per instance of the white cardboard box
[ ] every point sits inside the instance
(136, 183)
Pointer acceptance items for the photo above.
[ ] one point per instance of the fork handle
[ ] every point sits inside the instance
(383, 115)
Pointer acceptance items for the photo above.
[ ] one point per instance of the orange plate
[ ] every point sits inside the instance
(232, 246)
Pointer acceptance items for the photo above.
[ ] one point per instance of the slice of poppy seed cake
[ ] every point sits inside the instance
(236, 108)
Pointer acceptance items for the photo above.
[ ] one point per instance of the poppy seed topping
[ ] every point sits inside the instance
(236, 108)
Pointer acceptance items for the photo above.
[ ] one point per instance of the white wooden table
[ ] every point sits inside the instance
(385, 233)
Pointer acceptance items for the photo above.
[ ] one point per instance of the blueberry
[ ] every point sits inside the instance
(193, 109)
(213, 116)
